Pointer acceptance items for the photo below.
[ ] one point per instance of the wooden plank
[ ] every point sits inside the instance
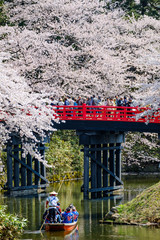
(87, 125)
(37, 169)
(104, 148)
(112, 164)
(105, 189)
(42, 167)
(23, 171)
(9, 166)
(99, 171)
(29, 173)
(28, 187)
(93, 173)
(86, 173)
(105, 163)
(16, 166)
(118, 163)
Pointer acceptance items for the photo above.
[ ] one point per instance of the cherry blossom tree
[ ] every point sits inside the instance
(80, 48)
(72, 48)
(23, 111)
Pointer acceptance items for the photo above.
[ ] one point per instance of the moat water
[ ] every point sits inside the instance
(91, 211)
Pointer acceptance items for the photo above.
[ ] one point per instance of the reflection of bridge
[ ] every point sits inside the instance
(101, 130)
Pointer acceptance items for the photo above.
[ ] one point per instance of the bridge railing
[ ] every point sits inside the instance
(105, 113)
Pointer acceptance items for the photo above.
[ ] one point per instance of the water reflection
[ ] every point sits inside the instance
(91, 211)
(74, 235)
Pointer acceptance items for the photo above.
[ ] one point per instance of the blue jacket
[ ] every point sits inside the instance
(75, 215)
(67, 217)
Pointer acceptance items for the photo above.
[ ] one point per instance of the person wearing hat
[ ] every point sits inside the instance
(52, 199)
(67, 216)
(51, 205)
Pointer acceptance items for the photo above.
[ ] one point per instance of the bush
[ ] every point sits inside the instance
(65, 155)
(3, 17)
(10, 226)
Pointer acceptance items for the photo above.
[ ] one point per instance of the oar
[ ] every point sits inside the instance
(61, 184)
(44, 221)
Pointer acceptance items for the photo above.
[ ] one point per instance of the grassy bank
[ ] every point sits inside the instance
(144, 209)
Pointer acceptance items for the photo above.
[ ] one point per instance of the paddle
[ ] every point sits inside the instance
(44, 221)
(61, 184)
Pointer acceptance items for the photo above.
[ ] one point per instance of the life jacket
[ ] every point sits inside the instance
(67, 217)
(75, 215)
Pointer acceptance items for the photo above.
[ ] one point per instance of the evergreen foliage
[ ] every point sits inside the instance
(3, 17)
(64, 154)
(10, 226)
(138, 8)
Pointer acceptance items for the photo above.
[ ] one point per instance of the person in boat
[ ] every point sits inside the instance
(52, 200)
(53, 214)
(75, 214)
(58, 207)
(74, 211)
(67, 216)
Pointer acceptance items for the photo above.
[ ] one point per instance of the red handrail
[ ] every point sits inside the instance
(105, 113)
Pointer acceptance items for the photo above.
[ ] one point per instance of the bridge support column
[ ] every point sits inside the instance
(102, 159)
(24, 173)
(9, 166)
(86, 172)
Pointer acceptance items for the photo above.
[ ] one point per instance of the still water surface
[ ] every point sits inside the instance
(91, 211)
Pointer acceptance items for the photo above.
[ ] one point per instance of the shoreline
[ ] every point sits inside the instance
(110, 222)
(140, 173)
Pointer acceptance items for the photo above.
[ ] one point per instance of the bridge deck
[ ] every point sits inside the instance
(107, 118)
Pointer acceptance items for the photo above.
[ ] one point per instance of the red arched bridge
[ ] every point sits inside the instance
(108, 118)
(106, 113)
(101, 130)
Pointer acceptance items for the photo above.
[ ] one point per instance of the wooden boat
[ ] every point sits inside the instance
(60, 226)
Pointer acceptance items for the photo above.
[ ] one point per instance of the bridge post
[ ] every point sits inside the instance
(99, 170)
(29, 173)
(118, 162)
(102, 157)
(93, 173)
(105, 163)
(42, 167)
(24, 173)
(86, 172)
(112, 163)
(9, 166)
(16, 165)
